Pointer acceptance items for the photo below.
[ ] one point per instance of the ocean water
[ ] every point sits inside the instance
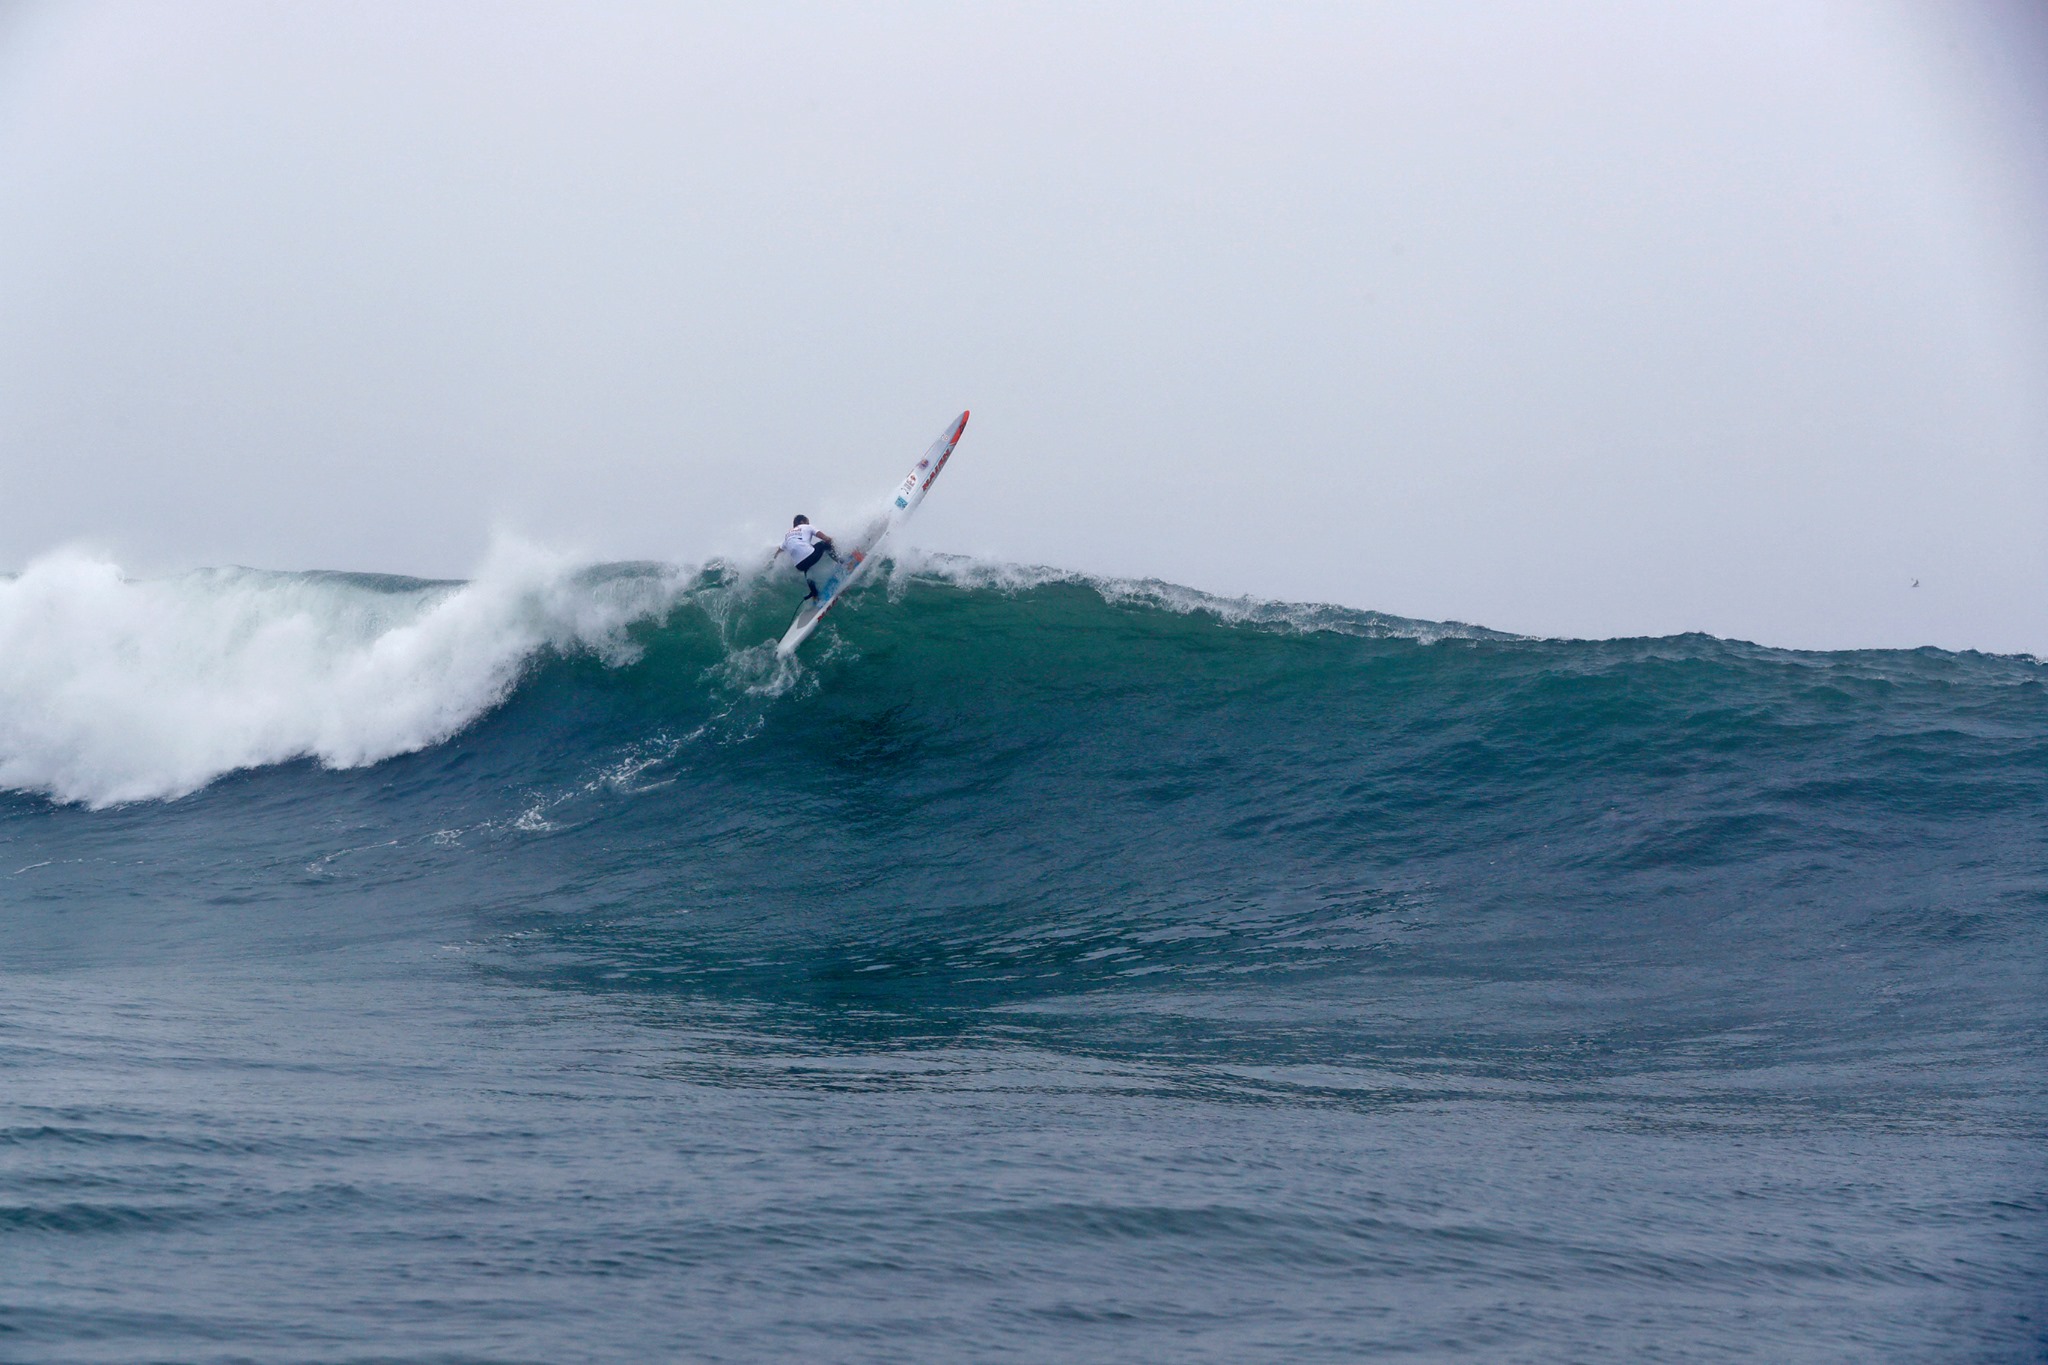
(1041, 968)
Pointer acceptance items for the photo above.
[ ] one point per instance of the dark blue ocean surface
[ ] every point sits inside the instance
(1042, 971)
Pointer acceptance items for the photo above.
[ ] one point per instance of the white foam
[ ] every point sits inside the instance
(114, 689)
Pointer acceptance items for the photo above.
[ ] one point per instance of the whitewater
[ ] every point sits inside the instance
(1039, 966)
(113, 689)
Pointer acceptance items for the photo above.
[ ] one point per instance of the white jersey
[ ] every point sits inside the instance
(799, 543)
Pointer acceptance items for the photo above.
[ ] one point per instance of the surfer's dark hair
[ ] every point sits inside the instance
(801, 520)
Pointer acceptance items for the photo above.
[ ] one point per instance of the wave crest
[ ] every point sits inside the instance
(115, 689)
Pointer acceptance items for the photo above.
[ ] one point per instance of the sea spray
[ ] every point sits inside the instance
(116, 689)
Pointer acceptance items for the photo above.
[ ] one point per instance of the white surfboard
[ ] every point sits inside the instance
(908, 495)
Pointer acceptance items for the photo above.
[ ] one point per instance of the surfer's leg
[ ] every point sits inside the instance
(810, 562)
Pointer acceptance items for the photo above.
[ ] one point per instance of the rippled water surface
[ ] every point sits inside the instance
(1045, 969)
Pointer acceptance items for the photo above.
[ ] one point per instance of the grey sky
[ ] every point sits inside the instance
(1564, 317)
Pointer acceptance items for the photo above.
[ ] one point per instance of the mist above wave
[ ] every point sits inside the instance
(115, 689)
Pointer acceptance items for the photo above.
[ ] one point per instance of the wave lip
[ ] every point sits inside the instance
(115, 689)
(971, 574)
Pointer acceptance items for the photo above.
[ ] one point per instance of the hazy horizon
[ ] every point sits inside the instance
(1568, 319)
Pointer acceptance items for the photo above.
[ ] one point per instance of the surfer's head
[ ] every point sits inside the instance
(801, 520)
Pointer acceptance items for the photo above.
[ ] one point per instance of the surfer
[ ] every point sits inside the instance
(806, 545)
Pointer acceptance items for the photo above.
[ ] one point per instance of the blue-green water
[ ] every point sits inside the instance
(1042, 970)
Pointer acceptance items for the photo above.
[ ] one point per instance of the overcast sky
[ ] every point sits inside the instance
(1561, 317)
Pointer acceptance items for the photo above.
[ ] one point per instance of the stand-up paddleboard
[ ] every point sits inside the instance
(909, 494)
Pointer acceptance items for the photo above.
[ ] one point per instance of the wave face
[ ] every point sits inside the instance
(1036, 959)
